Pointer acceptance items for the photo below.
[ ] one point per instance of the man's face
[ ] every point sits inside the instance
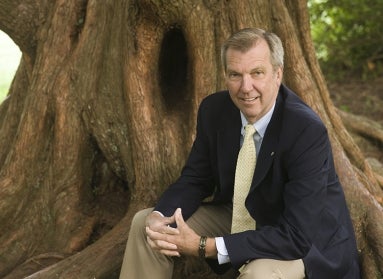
(251, 80)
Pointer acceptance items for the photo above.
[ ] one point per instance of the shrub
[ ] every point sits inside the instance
(348, 36)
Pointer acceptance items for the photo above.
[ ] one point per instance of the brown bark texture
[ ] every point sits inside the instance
(101, 114)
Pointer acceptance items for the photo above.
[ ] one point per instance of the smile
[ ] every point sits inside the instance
(249, 99)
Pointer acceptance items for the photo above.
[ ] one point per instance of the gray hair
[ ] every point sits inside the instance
(246, 38)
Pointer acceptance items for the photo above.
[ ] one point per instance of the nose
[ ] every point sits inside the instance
(247, 84)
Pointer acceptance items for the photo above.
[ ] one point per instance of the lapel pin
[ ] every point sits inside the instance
(272, 153)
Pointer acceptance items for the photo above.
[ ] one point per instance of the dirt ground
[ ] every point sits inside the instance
(359, 97)
(364, 98)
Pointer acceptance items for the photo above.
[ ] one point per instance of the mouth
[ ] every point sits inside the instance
(249, 100)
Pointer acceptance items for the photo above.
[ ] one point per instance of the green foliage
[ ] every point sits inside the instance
(348, 36)
(9, 61)
(3, 91)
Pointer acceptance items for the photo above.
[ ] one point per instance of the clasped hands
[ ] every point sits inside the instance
(168, 240)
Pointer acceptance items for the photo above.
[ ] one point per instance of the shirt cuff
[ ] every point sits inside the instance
(162, 215)
(223, 255)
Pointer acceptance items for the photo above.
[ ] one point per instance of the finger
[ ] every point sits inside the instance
(178, 217)
(170, 220)
(162, 245)
(151, 243)
(159, 240)
(170, 253)
(155, 220)
(153, 234)
(163, 250)
(170, 230)
(164, 229)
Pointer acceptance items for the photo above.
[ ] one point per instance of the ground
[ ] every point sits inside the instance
(359, 97)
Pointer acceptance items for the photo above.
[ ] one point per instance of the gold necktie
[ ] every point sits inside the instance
(244, 171)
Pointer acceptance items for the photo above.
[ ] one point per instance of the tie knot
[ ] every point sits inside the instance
(249, 130)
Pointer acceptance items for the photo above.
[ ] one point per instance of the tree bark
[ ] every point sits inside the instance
(100, 118)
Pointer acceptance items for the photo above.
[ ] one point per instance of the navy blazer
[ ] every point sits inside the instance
(295, 197)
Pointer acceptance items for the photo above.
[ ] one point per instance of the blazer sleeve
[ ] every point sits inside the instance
(196, 181)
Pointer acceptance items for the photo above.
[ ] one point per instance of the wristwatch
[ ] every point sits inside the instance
(201, 248)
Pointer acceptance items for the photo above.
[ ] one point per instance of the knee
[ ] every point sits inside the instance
(140, 216)
(138, 222)
(276, 269)
(255, 270)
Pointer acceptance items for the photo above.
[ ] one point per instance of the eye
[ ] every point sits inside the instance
(234, 76)
(257, 73)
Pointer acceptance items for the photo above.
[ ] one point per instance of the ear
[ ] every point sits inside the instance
(279, 76)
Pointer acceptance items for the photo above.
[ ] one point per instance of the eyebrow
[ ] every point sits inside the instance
(258, 68)
(263, 68)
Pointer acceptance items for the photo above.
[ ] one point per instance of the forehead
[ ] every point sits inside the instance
(258, 54)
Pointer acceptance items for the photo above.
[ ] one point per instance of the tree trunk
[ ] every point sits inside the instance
(101, 114)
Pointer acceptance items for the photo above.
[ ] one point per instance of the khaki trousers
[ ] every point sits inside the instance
(141, 262)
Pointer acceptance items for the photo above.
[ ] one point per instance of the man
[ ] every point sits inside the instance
(298, 225)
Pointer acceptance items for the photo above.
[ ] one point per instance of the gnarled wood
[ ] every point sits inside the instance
(361, 125)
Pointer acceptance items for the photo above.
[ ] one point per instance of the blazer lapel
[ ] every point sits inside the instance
(269, 144)
(228, 144)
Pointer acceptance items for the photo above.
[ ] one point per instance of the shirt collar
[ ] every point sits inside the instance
(261, 125)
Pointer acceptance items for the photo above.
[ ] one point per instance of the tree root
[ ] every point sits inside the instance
(369, 130)
(362, 126)
(35, 264)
